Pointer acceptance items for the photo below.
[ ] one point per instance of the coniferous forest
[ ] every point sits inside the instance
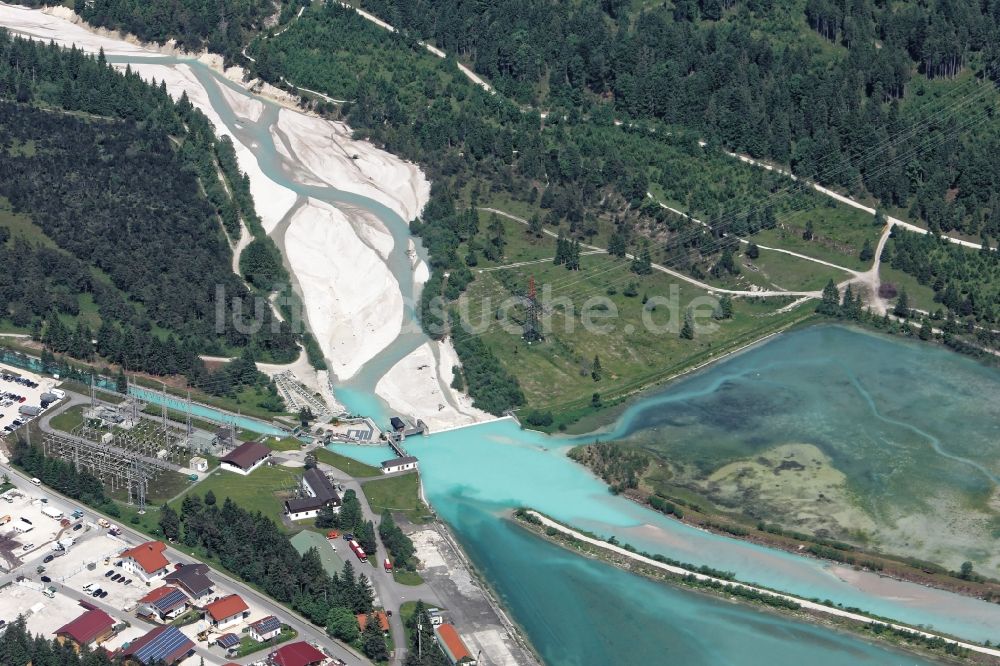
(604, 107)
(117, 220)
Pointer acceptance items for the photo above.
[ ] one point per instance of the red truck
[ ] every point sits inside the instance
(358, 550)
(388, 565)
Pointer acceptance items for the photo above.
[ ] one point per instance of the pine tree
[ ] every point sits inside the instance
(595, 369)
(902, 308)
(830, 302)
(687, 330)
(867, 252)
(643, 264)
(535, 226)
(170, 523)
(753, 251)
(560, 257)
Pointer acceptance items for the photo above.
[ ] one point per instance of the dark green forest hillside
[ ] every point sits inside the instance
(221, 26)
(814, 84)
(114, 222)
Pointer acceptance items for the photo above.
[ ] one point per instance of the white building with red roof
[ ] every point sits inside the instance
(147, 561)
(226, 612)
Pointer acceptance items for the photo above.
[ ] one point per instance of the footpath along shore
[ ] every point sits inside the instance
(806, 604)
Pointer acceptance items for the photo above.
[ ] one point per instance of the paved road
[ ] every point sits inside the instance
(307, 631)
(391, 595)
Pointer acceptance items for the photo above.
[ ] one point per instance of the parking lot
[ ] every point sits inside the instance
(43, 615)
(16, 384)
(25, 511)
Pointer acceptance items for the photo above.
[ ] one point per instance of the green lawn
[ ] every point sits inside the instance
(286, 444)
(358, 470)
(69, 419)
(165, 486)
(920, 296)
(249, 646)
(635, 346)
(404, 577)
(398, 494)
(794, 274)
(257, 492)
(839, 234)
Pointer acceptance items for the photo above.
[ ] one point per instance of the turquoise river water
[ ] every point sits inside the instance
(577, 611)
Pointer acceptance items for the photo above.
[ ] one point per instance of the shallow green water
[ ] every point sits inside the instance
(901, 420)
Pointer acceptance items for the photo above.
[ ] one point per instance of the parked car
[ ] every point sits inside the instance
(117, 577)
(77, 526)
(29, 546)
(45, 579)
(48, 558)
(109, 573)
(96, 593)
(103, 594)
(128, 581)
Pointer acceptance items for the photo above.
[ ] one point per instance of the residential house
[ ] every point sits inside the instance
(146, 561)
(245, 458)
(227, 641)
(399, 464)
(265, 629)
(297, 654)
(163, 645)
(163, 604)
(193, 579)
(93, 626)
(453, 646)
(317, 492)
(226, 612)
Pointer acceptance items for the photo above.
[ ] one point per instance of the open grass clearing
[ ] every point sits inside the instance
(283, 444)
(629, 338)
(358, 470)
(398, 494)
(263, 490)
(839, 234)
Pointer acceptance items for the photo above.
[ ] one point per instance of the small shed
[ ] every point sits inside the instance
(401, 464)
(199, 464)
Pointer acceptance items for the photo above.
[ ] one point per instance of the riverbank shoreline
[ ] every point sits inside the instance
(856, 622)
(599, 422)
(513, 629)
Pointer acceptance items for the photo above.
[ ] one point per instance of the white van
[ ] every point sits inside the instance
(36, 481)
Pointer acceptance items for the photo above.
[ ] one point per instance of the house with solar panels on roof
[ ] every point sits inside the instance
(228, 641)
(163, 645)
(265, 628)
(163, 604)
